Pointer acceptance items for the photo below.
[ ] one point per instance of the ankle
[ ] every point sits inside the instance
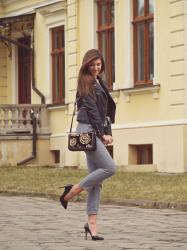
(76, 189)
(93, 228)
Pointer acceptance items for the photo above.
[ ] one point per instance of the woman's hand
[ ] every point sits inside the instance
(107, 139)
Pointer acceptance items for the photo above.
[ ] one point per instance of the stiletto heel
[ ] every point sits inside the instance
(86, 232)
(67, 188)
(94, 237)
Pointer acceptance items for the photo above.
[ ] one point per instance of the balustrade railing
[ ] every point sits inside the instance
(16, 118)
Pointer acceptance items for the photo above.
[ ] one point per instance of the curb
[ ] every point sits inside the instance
(125, 202)
(29, 194)
(154, 204)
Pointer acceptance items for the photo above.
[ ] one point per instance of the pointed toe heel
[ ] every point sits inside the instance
(67, 188)
(94, 237)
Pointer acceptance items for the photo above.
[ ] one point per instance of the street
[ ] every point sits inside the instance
(31, 223)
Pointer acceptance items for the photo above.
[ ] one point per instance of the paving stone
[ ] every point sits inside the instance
(42, 224)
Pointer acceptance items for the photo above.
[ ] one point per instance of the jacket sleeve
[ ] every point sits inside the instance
(107, 126)
(93, 114)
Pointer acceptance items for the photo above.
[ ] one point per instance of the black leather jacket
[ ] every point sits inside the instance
(95, 110)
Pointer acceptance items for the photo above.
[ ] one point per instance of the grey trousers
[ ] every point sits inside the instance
(100, 166)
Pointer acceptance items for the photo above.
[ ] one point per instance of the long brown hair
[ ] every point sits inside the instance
(85, 79)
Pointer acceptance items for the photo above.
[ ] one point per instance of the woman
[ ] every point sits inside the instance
(94, 104)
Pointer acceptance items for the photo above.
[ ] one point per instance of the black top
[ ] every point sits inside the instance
(93, 110)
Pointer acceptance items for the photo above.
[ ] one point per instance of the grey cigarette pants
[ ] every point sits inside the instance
(100, 166)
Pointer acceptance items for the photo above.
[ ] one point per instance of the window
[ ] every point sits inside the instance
(58, 65)
(56, 155)
(143, 32)
(106, 42)
(141, 154)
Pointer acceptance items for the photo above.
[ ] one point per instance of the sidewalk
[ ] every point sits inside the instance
(42, 224)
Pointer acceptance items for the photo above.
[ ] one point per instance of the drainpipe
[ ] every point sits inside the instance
(34, 138)
(33, 77)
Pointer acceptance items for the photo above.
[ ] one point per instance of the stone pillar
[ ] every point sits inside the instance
(3, 74)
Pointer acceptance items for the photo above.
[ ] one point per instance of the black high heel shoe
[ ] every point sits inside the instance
(94, 237)
(67, 188)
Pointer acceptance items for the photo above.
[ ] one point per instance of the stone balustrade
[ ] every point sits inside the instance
(16, 118)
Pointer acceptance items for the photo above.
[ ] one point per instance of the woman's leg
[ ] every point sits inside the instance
(92, 207)
(92, 222)
(93, 192)
(105, 168)
(76, 189)
(93, 199)
(104, 163)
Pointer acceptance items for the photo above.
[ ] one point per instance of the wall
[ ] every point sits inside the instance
(13, 151)
(1, 10)
(176, 59)
(185, 148)
(168, 147)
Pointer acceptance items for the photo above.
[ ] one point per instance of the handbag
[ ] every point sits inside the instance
(85, 141)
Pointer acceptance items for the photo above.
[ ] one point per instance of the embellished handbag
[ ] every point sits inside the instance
(85, 141)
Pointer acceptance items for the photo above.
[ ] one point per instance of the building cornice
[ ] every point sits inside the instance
(27, 6)
(46, 11)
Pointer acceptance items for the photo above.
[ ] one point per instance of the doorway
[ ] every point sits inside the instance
(24, 72)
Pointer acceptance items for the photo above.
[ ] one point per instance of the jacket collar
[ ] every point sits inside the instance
(103, 84)
(102, 87)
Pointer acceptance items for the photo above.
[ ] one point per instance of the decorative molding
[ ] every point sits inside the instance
(58, 135)
(149, 124)
(134, 126)
(54, 8)
(175, 1)
(28, 7)
(153, 89)
(55, 107)
(115, 95)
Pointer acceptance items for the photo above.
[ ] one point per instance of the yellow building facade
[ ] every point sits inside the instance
(150, 131)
